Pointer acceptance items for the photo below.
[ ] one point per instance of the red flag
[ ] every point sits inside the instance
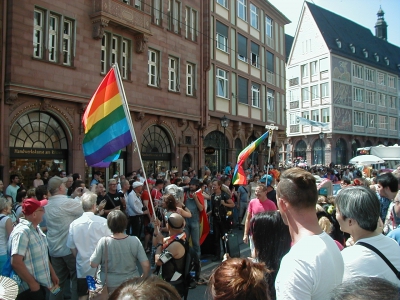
(204, 225)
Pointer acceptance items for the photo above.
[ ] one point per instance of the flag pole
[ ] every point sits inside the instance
(132, 130)
(271, 129)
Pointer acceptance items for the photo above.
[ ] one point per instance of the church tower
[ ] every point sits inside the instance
(380, 25)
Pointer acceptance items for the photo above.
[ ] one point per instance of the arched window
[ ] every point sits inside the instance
(318, 152)
(43, 133)
(219, 142)
(300, 150)
(355, 144)
(38, 130)
(368, 143)
(155, 140)
(238, 147)
(186, 161)
(341, 152)
(155, 149)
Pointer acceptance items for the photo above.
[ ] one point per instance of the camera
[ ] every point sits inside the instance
(165, 257)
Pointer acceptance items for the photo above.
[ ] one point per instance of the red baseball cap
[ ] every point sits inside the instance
(151, 181)
(29, 206)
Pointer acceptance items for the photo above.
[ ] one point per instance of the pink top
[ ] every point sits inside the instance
(340, 246)
(256, 206)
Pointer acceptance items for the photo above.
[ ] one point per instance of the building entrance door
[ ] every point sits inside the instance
(155, 150)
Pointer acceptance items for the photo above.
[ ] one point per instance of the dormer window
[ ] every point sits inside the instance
(339, 43)
(365, 53)
(387, 60)
(376, 56)
(352, 48)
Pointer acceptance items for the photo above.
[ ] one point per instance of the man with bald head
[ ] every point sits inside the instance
(170, 253)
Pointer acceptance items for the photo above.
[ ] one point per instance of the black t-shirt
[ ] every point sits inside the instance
(114, 200)
(99, 199)
(218, 210)
(272, 196)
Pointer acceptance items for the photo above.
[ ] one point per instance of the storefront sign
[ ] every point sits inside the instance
(209, 150)
(38, 153)
(156, 156)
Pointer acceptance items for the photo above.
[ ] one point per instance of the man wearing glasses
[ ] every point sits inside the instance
(30, 259)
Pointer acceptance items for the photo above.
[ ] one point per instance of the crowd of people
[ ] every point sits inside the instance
(303, 245)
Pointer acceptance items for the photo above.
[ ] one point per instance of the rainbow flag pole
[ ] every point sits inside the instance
(271, 129)
(126, 107)
(239, 177)
(108, 124)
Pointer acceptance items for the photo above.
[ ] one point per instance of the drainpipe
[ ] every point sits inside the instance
(3, 73)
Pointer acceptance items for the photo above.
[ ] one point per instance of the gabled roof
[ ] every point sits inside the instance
(333, 27)
(288, 45)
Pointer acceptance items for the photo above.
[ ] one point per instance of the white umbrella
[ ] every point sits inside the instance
(366, 160)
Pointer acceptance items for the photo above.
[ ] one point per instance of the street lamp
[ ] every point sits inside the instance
(224, 124)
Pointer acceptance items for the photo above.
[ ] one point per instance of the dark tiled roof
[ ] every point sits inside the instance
(333, 26)
(288, 45)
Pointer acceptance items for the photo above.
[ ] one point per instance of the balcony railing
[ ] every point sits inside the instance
(119, 14)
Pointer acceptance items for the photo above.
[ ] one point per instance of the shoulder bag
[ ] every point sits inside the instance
(101, 292)
(370, 247)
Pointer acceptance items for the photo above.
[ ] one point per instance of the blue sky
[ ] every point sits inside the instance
(362, 12)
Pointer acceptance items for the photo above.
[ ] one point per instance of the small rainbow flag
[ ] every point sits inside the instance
(107, 122)
(238, 176)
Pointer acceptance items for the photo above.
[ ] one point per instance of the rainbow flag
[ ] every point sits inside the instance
(203, 222)
(107, 123)
(238, 176)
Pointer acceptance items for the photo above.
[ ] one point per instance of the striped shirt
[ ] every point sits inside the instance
(30, 242)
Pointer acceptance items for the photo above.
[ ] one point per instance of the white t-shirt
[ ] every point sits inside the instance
(84, 234)
(360, 261)
(311, 270)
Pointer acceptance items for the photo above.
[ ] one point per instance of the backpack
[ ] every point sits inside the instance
(191, 271)
(13, 215)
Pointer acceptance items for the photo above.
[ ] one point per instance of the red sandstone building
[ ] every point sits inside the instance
(185, 64)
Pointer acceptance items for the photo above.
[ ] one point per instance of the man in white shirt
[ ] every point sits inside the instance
(358, 210)
(313, 266)
(347, 174)
(60, 212)
(134, 208)
(84, 233)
